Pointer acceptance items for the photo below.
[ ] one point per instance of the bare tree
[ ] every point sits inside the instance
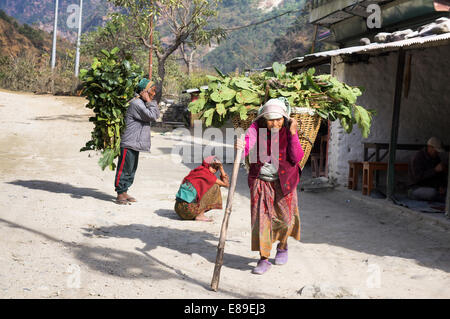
(188, 56)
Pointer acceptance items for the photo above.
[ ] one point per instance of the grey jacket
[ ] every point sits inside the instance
(137, 119)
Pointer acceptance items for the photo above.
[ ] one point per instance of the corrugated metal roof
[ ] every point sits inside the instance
(373, 48)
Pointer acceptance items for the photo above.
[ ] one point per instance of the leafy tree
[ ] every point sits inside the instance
(117, 32)
(187, 21)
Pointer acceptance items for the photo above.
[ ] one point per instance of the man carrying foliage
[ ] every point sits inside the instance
(136, 138)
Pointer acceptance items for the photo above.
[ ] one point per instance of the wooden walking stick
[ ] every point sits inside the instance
(226, 218)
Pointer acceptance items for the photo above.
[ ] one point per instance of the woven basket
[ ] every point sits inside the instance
(308, 127)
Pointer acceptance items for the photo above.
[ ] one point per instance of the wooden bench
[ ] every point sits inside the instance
(353, 174)
(368, 172)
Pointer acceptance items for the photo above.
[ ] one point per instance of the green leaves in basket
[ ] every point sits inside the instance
(243, 83)
(279, 70)
(208, 115)
(197, 106)
(222, 94)
(220, 108)
(247, 97)
(230, 96)
(220, 73)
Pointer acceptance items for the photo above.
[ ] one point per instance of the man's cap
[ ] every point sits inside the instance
(436, 143)
(144, 84)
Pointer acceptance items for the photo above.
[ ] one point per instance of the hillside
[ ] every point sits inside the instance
(12, 42)
(251, 47)
(16, 38)
(25, 54)
(41, 13)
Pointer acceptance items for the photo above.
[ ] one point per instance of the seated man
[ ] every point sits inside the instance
(428, 173)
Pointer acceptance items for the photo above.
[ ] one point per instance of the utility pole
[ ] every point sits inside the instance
(77, 55)
(55, 29)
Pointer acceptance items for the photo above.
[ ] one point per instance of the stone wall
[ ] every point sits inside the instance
(174, 111)
(424, 113)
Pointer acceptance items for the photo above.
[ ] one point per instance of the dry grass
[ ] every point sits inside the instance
(28, 72)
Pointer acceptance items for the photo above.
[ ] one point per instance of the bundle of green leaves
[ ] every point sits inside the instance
(228, 96)
(109, 85)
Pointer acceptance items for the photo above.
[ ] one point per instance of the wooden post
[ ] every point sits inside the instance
(314, 39)
(395, 124)
(328, 147)
(447, 201)
(150, 54)
(377, 159)
(226, 218)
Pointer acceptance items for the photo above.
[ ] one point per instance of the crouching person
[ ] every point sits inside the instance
(200, 191)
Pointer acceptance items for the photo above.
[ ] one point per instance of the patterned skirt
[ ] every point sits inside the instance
(274, 217)
(212, 199)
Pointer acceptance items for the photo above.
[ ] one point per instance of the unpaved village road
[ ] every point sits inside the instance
(62, 236)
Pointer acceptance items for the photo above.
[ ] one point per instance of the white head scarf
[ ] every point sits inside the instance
(274, 109)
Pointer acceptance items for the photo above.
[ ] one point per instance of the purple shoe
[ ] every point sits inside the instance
(262, 266)
(282, 256)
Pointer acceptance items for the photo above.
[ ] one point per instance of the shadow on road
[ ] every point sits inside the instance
(329, 217)
(338, 221)
(186, 242)
(61, 188)
(64, 117)
(125, 264)
(167, 213)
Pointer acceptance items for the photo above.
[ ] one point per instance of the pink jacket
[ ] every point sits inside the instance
(290, 154)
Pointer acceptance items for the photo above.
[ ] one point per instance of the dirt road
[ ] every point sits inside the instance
(63, 237)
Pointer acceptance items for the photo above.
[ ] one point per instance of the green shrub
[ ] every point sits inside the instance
(194, 80)
(5, 17)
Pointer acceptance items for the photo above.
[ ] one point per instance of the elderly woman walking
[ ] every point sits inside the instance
(199, 191)
(273, 149)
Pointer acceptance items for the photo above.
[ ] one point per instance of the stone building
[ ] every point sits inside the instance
(402, 63)
(424, 104)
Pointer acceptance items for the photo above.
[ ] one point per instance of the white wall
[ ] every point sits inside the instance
(424, 113)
